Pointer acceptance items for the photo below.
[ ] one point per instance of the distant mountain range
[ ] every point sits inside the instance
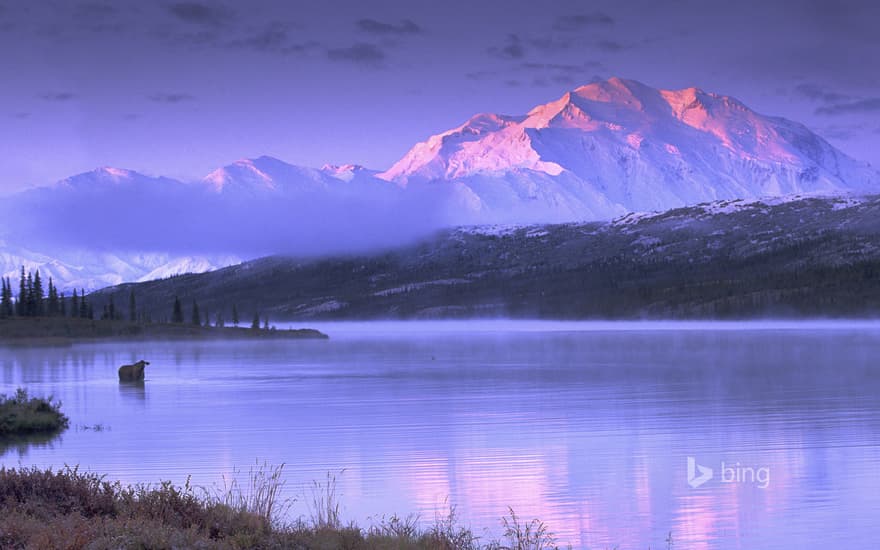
(598, 152)
(816, 257)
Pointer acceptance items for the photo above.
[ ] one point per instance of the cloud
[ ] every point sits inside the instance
(94, 10)
(361, 53)
(564, 67)
(199, 14)
(274, 37)
(582, 21)
(57, 96)
(481, 75)
(609, 46)
(513, 49)
(373, 26)
(549, 44)
(868, 105)
(170, 98)
(842, 131)
(816, 92)
(541, 74)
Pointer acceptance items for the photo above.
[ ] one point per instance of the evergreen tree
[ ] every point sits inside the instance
(52, 307)
(177, 314)
(111, 309)
(91, 312)
(219, 322)
(30, 302)
(132, 307)
(22, 296)
(38, 295)
(196, 318)
(74, 305)
(234, 315)
(5, 300)
(62, 305)
(255, 324)
(266, 323)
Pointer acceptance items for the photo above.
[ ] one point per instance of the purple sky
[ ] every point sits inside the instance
(181, 88)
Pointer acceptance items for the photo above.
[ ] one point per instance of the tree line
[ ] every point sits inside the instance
(196, 318)
(33, 300)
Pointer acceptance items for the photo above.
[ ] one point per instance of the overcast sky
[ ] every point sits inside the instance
(181, 88)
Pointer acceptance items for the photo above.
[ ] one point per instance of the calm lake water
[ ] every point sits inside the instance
(586, 426)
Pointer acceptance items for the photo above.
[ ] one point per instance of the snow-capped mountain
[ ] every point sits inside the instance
(267, 175)
(92, 270)
(619, 145)
(598, 152)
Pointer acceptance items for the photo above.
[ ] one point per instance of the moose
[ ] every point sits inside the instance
(129, 373)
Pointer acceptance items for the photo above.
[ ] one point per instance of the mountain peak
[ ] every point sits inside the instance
(638, 147)
(243, 173)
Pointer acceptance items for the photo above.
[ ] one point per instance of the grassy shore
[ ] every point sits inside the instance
(61, 331)
(73, 509)
(22, 415)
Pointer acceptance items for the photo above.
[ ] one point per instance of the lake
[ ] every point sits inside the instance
(591, 427)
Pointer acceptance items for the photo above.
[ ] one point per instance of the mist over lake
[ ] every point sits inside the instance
(588, 426)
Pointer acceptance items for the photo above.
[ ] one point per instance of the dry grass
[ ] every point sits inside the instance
(70, 509)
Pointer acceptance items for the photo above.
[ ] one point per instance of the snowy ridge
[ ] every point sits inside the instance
(93, 270)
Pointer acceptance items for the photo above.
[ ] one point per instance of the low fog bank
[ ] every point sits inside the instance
(192, 221)
(472, 326)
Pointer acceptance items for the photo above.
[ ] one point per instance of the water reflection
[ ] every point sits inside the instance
(587, 430)
(19, 446)
(133, 390)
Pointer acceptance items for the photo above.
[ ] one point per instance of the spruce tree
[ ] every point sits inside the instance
(234, 315)
(177, 313)
(30, 302)
(38, 295)
(74, 305)
(255, 324)
(52, 307)
(196, 316)
(111, 309)
(4, 300)
(62, 306)
(21, 305)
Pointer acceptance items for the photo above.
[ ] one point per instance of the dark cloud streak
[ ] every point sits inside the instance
(406, 26)
(171, 98)
(200, 14)
(58, 96)
(361, 53)
(513, 49)
(868, 105)
(582, 21)
(816, 92)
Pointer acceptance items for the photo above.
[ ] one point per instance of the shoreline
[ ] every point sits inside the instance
(60, 331)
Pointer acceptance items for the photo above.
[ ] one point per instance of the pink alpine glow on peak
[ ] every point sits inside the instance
(241, 173)
(639, 148)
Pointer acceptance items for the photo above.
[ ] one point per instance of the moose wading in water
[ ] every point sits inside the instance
(132, 372)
